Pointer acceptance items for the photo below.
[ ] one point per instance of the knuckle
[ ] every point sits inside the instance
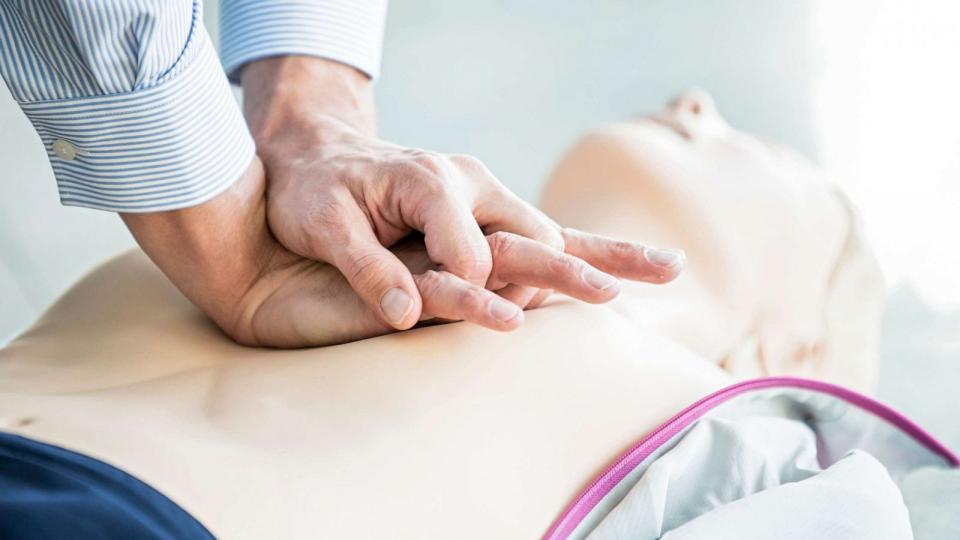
(430, 283)
(564, 266)
(433, 186)
(473, 298)
(431, 162)
(501, 243)
(404, 169)
(474, 267)
(622, 249)
(366, 270)
(476, 173)
(469, 162)
(429, 186)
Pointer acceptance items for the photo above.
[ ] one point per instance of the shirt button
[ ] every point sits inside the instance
(64, 150)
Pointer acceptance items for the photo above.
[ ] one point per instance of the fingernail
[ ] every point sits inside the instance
(503, 310)
(665, 258)
(598, 280)
(396, 303)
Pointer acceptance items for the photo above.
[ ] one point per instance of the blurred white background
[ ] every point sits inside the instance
(866, 88)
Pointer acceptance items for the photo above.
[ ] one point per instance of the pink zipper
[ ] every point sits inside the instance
(577, 510)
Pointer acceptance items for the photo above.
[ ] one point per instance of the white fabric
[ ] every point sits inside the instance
(757, 477)
(933, 497)
(128, 98)
(348, 31)
(131, 102)
(852, 499)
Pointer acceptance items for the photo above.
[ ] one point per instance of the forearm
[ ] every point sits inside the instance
(222, 256)
(215, 252)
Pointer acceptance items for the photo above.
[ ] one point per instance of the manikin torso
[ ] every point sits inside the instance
(454, 430)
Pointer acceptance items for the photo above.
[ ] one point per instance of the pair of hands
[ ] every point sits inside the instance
(338, 262)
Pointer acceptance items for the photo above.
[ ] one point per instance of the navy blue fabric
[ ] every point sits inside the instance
(50, 492)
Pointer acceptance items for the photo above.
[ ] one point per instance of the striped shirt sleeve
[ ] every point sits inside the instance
(348, 31)
(129, 99)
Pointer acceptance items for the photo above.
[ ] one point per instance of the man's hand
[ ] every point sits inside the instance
(222, 256)
(305, 303)
(338, 194)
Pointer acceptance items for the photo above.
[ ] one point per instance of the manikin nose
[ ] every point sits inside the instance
(694, 101)
(695, 115)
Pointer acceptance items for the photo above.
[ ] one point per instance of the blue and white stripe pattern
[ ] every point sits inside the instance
(348, 31)
(130, 100)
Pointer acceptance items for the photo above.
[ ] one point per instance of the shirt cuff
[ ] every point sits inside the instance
(174, 145)
(347, 31)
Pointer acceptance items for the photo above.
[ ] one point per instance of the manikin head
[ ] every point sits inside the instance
(766, 233)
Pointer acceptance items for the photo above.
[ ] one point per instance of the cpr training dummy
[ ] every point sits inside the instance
(126, 413)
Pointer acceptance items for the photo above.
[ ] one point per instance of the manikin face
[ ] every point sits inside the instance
(693, 117)
(763, 229)
(683, 176)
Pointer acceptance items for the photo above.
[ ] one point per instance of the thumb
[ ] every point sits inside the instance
(381, 280)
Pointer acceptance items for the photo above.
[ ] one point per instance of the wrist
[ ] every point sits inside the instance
(297, 93)
(214, 253)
